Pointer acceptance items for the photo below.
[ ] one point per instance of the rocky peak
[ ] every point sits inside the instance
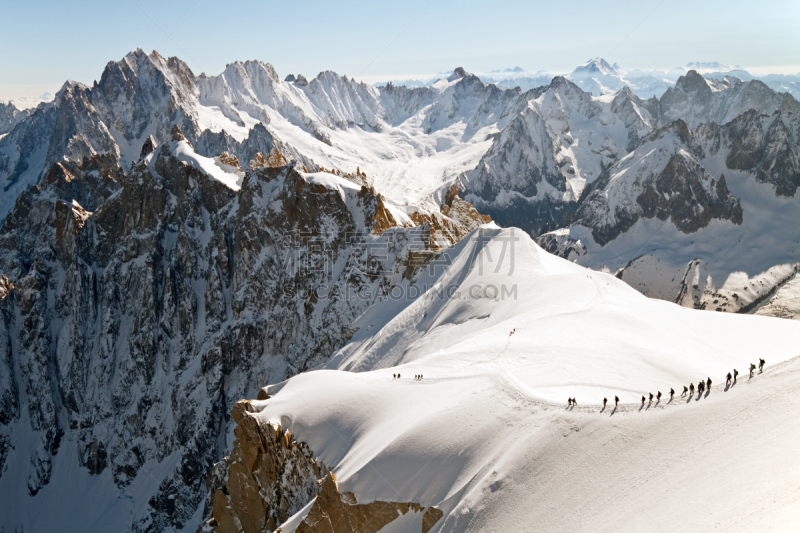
(176, 135)
(692, 82)
(10, 116)
(457, 74)
(148, 147)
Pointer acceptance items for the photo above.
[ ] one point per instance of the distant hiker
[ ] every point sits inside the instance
(752, 367)
(735, 373)
(398, 376)
(643, 401)
(575, 402)
(708, 385)
(671, 394)
(685, 390)
(394, 376)
(728, 379)
(691, 389)
(605, 401)
(658, 396)
(701, 387)
(569, 402)
(761, 364)
(616, 401)
(651, 397)
(420, 377)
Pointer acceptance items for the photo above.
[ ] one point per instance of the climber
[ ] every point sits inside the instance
(671, 394)
(761, 364)
(651, 397)
(575, 402)
(691, 389)
(701, 387)
(728, 379)
(752, 367)
(616, 401)
(643, 400)
(708, 385)
(569, 402)
(735, 373)
(685, 390)
(605, 401)
(658, 396)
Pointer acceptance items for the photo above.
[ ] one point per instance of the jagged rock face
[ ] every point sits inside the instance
(697, 100)
(10, 116)
(335, 512)
(767, 146)
(662, 178)
(267, 478)
(136, 306)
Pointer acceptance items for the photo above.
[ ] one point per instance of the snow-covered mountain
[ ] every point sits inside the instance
(10, 116)
(485, 441)
(598, 77)
(159, 229)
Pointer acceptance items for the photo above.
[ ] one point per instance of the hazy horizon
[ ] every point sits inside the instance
(49, 42)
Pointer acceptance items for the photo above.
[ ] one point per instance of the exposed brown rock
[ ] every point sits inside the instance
(231, 160)
(270, 477)
(274, 159)
(5, 287)
(458, 218)
(177, 134)
(335, 512)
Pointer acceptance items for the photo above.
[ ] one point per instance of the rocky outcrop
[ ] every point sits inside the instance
(335, 512)
(267, 478)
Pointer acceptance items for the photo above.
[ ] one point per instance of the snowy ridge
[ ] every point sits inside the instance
(485, 435)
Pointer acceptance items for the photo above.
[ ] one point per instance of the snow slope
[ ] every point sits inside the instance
(486, 436)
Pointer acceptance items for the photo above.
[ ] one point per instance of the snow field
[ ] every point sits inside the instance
(486, 435)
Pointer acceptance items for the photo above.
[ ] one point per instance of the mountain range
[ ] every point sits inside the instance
(598, 77)
(172, 243)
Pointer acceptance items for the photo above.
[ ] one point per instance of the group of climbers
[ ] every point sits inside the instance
(702, 386)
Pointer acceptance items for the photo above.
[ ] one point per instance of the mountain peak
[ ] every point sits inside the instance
(457, 74)
(597, 65)
(692, 81)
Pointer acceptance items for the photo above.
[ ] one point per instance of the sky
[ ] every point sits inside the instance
(45, 42)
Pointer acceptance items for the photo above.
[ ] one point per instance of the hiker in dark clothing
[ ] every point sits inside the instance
(643, 398)
(691, 389)
(708, 385)
(752, 367)
(671, 394)
(701, 387)
(394, 376)
(605, 401)
(728, 380)
(651, 397)
(761, 364)
(735, 373)
(658, 396)
(685, 390)
(616, 401)
(569, 402)
(575, 402)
